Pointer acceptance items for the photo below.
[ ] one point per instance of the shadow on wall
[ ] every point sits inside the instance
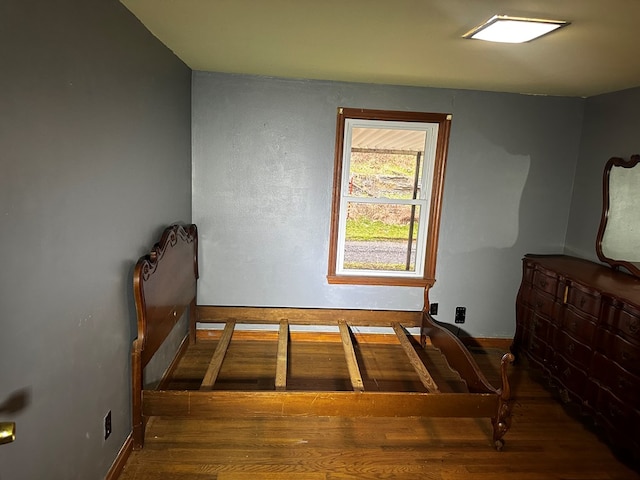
(492, 201)
(16, 402)
(488, 206)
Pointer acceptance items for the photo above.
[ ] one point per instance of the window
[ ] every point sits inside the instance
(387, 192)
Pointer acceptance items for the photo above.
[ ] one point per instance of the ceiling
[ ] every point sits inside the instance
(404, 42)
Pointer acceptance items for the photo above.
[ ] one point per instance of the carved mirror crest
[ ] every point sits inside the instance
(618, 241)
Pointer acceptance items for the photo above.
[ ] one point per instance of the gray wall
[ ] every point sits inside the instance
(611, 129)
(95, 160)
(262, 180)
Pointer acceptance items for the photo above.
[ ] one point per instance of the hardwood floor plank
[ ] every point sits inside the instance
(271, 476)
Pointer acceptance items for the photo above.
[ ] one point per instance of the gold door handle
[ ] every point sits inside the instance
(7, 432)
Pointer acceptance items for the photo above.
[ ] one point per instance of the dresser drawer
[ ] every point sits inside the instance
(617, 415)
(543, 303)
(538, 350)
(540, 342)
(590, 398)
(616, 348)
(578, 326)
(622, 383)
(545, 281)
(583, 299)
(539, 327)
(574, 351)
(629, 325)
(610, 308)
(572, 377)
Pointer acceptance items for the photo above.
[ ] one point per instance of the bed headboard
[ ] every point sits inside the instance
(164, 284)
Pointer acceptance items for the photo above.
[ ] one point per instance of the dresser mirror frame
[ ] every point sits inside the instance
(618, 241)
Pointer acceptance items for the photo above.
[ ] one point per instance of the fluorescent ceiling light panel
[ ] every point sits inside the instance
(506, 29)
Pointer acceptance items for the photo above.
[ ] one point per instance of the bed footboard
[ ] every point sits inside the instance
(461, 360)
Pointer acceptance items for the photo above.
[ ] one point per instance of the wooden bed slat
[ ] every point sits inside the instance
(350, 356)
(218, 357)
(281, 365)
(421, 370)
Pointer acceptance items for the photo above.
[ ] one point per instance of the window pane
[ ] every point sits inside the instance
(386, 163)
(380, 237)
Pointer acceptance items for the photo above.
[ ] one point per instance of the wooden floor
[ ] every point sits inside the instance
(546, 440)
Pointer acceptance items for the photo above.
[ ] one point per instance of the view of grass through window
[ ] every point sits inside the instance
(378, 234)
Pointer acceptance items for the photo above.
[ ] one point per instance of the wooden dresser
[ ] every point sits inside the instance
(580, 322)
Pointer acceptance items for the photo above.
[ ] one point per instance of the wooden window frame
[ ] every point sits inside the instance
(431, 247)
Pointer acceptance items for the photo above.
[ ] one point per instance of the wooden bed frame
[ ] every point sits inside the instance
(165, 290)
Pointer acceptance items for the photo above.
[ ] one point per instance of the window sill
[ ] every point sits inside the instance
(372, 280)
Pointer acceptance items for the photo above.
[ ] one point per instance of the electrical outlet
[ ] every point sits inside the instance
(461, 314)
(433, 309)
(107, 425)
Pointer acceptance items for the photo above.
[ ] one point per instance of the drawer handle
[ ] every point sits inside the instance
(539, 304)
(624, 355)
(623, 384)
(571, 348)
(543, 283)
(634, 325)
(582, 301)
(567, 372)
(614, 411)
